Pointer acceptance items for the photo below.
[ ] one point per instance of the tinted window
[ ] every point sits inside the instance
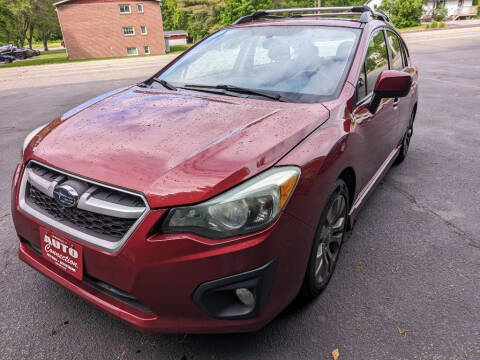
(377, 59)
(304, 63)
(396, 58)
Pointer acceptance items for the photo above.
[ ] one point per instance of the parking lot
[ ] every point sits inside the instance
(407, 285)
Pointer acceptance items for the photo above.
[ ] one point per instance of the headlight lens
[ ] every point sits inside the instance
(249, 207)
(30, 136)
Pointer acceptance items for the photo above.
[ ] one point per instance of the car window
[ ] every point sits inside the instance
(404, 53)
(376, 60)
(304, 63)
(396, 58)
(220, 59)
(361, 85)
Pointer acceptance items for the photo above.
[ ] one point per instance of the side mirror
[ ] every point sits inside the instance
(390, 84)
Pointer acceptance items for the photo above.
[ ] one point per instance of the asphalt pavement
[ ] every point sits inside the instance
(407, 285)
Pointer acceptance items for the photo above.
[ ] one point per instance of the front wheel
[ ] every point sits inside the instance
(406, 141)
(327, 243)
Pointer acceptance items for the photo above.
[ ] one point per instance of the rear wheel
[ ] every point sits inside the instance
(327, 243)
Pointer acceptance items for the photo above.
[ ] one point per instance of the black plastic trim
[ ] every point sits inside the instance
(217, 297)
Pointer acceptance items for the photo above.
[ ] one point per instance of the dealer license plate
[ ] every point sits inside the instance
(63, 253)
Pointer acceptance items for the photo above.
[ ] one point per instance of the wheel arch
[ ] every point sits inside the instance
(348, 175)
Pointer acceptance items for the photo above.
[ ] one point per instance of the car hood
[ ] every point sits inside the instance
(175, 147)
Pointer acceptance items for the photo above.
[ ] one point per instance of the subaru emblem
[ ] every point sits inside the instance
(65, 195)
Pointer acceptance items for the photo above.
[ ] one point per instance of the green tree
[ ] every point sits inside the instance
(235, 9)
(45, 21)
(7, 23)
(203, 16)
(343, 2)
(404, 13)
(174, 18)
(23, 11)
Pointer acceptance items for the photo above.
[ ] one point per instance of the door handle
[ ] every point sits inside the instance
(395, 102)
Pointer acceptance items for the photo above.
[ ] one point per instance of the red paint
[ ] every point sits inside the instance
(392, 83)
(185, 147)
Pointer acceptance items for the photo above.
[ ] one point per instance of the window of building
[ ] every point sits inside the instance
(395, 50)
(146, 50)
(143, 29)
(140, 8)
(377, 59)
(125, 9)
(132, 51)
(129, 31)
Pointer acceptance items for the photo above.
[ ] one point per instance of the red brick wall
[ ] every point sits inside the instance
(93, 28)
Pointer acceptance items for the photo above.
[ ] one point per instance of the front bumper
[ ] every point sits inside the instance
(163, 272)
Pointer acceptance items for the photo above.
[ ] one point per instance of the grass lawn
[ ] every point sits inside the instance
(418, 27)
(46, 57)
(38, 45)
(426, 26)
(60, 56)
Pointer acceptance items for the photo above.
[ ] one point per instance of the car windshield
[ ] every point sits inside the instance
(302, 63)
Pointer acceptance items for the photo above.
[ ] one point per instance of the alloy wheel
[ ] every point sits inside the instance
(331, 236)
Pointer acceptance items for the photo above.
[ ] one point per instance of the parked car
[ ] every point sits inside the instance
(208, 197)
(6, 59)
(18, 53)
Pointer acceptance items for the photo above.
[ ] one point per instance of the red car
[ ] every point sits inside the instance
(210, 196)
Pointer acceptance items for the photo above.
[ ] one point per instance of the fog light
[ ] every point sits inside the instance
(245, 296)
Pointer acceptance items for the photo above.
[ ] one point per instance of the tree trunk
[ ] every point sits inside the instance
(45, 41)
(30, 36)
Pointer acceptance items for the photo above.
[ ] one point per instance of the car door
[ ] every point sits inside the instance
(402, 106)
(375, 133)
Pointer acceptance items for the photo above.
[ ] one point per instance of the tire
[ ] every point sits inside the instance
(327, 243)
(406, 141)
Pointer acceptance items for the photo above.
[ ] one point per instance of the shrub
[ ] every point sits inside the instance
(440, 13)
(177, 48)
(442, 24)
(404, 13)
(434, 24)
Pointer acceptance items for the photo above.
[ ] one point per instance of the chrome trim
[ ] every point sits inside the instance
(90, 203)
(109, 246)
(41, 184)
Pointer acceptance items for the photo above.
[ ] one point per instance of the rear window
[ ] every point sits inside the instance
(304, 63)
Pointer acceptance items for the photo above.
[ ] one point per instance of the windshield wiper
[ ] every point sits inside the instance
(240, 90)
(165, 84)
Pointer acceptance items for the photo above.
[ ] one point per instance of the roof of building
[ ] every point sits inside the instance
(174, 33)
(67, 1)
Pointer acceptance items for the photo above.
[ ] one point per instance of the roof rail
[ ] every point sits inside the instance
(365, 12)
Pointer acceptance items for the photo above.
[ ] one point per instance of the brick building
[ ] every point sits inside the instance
(110, 28)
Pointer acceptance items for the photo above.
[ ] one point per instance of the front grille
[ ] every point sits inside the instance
(108, 226)
(101, 215)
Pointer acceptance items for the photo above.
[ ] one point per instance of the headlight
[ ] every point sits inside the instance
(249, 207)
(30, 136)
